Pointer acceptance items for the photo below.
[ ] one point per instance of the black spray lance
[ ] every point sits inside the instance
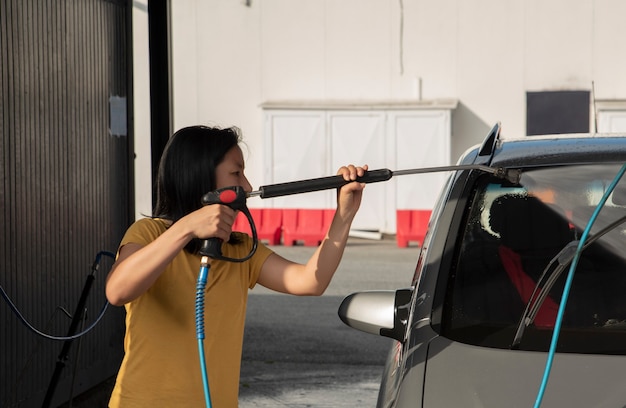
(235, 197)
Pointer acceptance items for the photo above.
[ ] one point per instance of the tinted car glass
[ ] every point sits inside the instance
(513, 232)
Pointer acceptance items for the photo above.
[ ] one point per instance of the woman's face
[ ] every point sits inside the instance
(230, 172)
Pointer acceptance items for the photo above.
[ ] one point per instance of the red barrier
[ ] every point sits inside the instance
(268, 223)
(306, 225)
(411, 225)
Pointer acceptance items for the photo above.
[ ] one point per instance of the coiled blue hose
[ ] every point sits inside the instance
(568, 284)
(200, 285)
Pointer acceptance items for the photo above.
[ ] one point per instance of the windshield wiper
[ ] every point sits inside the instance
(564, 258)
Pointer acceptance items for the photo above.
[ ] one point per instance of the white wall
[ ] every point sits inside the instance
(229, 58)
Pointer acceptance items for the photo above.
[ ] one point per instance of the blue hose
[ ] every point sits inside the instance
(568, 284)
(201, 283)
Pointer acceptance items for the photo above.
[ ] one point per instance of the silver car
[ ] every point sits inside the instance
(519, 294)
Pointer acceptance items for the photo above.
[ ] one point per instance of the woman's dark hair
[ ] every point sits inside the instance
(187, 170)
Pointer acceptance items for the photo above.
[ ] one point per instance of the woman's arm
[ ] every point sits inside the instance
(313, 278)
(137, 267)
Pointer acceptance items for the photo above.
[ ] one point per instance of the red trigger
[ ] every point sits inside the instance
(228, 196)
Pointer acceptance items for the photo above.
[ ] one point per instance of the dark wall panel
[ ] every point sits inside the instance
(65, 191)
(557, 112)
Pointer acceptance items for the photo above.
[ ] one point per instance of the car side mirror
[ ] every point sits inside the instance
(384, 313)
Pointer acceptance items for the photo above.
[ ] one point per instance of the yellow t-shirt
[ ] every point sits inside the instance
(161, 366)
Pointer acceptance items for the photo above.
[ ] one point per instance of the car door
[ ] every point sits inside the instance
(513, 237)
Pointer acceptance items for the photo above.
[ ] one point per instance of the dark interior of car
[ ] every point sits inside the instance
(508, 255)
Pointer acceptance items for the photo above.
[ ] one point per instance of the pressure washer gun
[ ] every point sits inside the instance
(235, 198)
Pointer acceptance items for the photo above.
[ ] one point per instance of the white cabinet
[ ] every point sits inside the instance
(305, 140)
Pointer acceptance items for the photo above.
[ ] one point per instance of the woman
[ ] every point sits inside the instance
(155, 274)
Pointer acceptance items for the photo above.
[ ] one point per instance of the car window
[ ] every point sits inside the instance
(511, 237)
